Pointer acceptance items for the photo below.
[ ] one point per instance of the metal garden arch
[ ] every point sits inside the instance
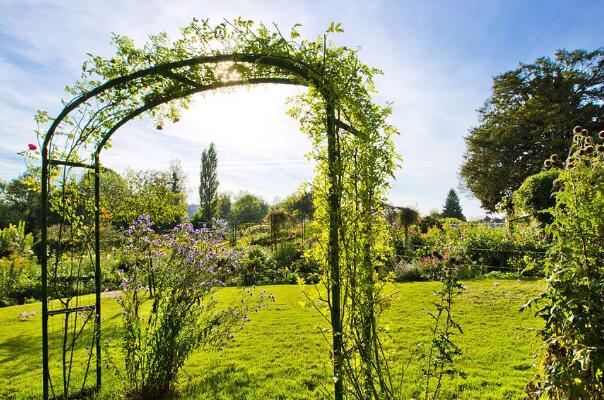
(77, 136)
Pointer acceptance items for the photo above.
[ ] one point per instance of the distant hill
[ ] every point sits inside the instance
(191, 209)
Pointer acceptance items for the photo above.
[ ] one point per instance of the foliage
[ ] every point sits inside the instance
(306, 268)
(224, 206)
(299, 204)
(428, 221)
(286, 254)
(352, 255)
(443, 352)
(483, 248)
(530, 245)
(536, 195)
(407, 217)
(159, 194)
(452, 208)
(114, 193)
(254, 267)
(277, 220)
(19, 201)
(185, 266)
(573, 304)
(19, 272)
(284, 266)
(248, 208)
(177, 178)
(529, 116)
(150, 193)
(208, 185)
(405, 271)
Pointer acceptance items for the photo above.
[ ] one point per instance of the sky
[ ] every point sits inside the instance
(438, 59)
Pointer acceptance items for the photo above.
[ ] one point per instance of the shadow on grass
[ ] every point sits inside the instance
(23, 346)
(230, 382)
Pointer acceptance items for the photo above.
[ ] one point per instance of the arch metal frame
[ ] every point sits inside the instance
(297, 74)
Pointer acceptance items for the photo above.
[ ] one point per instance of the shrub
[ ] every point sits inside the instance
(184, 266)
(489, 248)
(407, 272)
(286, 254)
(482, 248)
(307, 268)
(255, 267)
(19, 271)
(536, 195)
(532, 243)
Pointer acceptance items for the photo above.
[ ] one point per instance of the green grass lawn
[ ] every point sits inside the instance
(281, 353)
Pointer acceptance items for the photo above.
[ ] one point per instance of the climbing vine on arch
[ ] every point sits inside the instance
(350, 135)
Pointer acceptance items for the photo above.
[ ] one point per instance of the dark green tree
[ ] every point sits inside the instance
(407, 217)
(529, 116)
(452, 208)
(208, 185)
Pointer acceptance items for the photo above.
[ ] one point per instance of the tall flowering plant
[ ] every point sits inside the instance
(167, 302)
(572, 307)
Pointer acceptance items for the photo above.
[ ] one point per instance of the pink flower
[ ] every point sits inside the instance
(32, 147)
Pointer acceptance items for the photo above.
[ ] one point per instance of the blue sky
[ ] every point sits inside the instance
(438, 59)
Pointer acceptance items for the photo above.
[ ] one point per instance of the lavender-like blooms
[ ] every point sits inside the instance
(178, 269)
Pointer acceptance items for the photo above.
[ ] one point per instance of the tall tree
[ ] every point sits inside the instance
(529, 116)
(452, 208)
(208, 185)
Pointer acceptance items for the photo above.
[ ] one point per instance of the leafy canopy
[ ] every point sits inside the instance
(529, 115)
(248, 208)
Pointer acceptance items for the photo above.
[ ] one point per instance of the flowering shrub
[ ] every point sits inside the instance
(481, 248)
(167, 302)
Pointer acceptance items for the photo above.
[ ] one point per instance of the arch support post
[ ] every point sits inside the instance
(44, 251)
(97, 269)
(333, 256)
